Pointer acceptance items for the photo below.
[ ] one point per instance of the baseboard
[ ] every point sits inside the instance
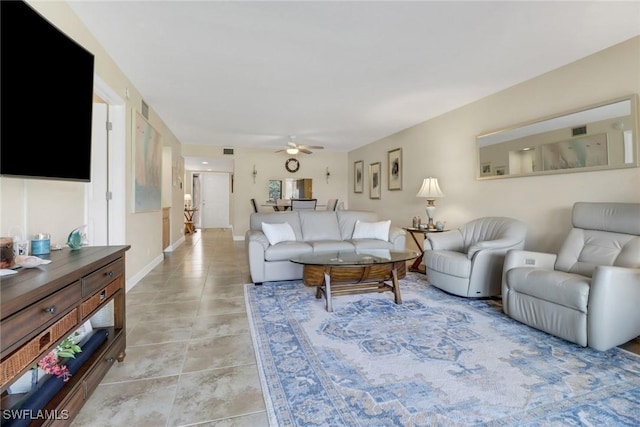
(174, 245)
(132, 281)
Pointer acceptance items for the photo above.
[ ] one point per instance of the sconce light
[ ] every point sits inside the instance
(328, 174)
(430, 190)
(254, 173)
(187, 201)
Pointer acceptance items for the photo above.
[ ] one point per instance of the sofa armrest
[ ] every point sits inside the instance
(613, 316)
(446, 241)
(256, 243)
(398, 237)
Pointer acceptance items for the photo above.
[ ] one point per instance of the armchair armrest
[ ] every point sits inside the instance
(613, 317)
(498, 244)
(517, 258)
(446, 241)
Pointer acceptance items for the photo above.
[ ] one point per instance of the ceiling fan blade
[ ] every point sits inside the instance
(292, 144)
(280, 151)
(304, 150)
(311, 147)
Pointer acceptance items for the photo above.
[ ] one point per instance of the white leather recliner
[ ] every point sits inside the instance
(589, 293)
(468, 261)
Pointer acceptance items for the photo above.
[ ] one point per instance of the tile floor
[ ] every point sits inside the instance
(190, 359)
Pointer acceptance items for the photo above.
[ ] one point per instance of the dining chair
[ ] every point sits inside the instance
(332, 204)
(254, 205)
(299, 204)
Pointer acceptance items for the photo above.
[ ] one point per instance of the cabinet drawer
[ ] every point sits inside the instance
(101, 278)
(100, 297)
(42, 313)
(103, 365)
(70, 408)
(27, 354)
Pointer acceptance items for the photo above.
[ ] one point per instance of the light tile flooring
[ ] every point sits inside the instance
(190, 359)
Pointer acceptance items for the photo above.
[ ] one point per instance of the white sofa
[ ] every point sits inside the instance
(315, 231)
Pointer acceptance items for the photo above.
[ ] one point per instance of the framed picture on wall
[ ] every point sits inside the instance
(358, 176)
(394, 169)
(147, 165)
(374, 180)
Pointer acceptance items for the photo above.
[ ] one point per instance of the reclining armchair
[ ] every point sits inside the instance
(590, 291)
(468, 261)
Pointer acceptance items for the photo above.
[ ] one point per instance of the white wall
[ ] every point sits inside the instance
(444, 147)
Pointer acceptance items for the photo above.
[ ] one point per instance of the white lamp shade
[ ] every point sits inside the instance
(187, 197)
(430, 189)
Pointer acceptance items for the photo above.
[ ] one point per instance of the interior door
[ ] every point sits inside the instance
(214, 203)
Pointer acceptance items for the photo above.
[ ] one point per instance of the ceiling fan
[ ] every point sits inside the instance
(293, 148)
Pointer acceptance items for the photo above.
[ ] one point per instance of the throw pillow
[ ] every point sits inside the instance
(372, 230)
(277, 233)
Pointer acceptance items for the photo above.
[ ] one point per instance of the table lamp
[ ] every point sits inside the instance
(430, 190)
(187, 201)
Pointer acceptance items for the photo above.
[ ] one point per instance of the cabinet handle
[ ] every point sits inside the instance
(50, 310)
(103, 294)
(109, 274)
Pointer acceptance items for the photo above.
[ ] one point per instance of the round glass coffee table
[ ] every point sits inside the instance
(354, 272)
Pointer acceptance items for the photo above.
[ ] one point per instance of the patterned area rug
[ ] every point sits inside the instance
(435, 360)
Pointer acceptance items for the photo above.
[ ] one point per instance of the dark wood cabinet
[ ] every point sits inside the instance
(41, 306)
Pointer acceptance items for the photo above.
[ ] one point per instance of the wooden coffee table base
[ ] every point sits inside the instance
(346, 280)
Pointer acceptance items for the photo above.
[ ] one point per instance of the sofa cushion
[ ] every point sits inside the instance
(363, 244)
(277, 233)
(331, 245)
(567, 289)
(291, 218)
(347, 221)
(284, 251)
(319, 225)
(372, 230)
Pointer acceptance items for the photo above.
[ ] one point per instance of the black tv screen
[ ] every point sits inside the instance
(46, 90)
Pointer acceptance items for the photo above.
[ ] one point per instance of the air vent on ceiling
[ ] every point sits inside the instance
(228, 151)
(582, 130)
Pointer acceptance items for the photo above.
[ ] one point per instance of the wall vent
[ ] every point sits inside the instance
(582, 130)
(228, 151)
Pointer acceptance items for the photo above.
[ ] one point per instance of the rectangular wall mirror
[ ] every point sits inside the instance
(597, 137)
(290, 188)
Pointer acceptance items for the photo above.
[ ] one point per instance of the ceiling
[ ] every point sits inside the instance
(337, 74)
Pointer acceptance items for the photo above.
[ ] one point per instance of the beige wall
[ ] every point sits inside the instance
(444, 147)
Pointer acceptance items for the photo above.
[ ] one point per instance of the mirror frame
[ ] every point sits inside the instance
(633, 99)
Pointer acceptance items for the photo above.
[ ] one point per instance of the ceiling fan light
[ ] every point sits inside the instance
(292, 150)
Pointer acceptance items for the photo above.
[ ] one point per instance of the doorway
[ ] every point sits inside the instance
(105, 196)
(214, 200)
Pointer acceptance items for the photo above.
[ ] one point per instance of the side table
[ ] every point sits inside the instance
(189, 227)
(415, 267)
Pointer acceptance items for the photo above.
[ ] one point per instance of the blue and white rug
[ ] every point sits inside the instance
(434, 360)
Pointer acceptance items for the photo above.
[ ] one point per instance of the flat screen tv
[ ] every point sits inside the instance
(46, 90)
